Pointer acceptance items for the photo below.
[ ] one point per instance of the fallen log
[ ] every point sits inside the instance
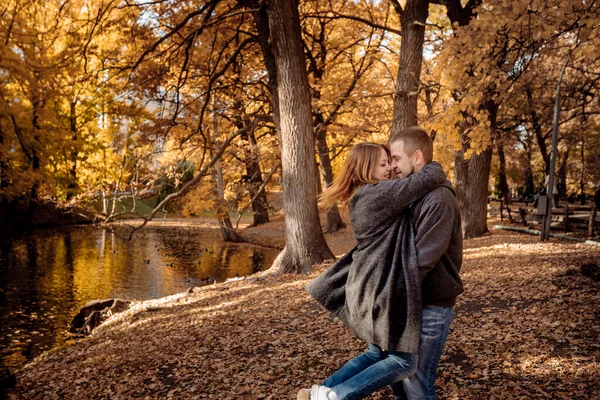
(94, 313)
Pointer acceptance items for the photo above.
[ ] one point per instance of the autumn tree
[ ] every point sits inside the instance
(529, 117)
(194, 78)
(481, 80)
(54, 102)
(305, 244)
(339, 53)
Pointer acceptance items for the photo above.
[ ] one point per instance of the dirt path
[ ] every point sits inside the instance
(526, 327)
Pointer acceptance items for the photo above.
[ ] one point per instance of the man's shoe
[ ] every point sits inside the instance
(303, 394)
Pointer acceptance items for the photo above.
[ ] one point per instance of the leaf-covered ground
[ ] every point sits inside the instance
(528, 326)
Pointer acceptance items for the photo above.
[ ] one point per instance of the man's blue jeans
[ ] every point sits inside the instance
(434, 331)
(371, 371)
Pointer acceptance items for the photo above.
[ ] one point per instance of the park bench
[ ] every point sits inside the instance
(567, 217)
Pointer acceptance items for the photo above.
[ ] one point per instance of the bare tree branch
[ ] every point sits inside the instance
(209, 8)
(354, 18)
(189, 185)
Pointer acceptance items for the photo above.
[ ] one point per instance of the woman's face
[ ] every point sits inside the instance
(383, 170)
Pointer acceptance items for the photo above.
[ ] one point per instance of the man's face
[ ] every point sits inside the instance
(402, 164)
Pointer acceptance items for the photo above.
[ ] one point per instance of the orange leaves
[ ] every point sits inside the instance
(483, 62)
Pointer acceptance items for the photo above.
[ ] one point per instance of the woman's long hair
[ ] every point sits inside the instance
(358, 170)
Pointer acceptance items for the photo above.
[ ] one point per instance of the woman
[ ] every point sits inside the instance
(375, 288)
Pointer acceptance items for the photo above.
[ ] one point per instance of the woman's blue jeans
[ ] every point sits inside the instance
(371, 371)
(434, 331)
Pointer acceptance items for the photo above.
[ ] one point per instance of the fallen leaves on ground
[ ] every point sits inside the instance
(527, 327)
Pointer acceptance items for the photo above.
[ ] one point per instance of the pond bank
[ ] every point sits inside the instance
(16, 218)
(526, 327)
(48, 274)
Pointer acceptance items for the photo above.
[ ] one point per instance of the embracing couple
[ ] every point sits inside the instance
(396, 288)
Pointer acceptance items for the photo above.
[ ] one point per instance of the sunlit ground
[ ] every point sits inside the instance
(527, 327)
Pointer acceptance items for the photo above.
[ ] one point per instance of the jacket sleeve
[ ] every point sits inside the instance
(434, 228)
(387, 199)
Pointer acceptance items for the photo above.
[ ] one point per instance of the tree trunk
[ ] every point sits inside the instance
(72, 185)
(582, 179)
(261, 19)
(561, 176)
(472, 177)
(459, 14)
(412, 19)
(529, 189)
(472, 180)
(305, 243)
(253, 177)
(221, 212)
(260, 209)
(229, 234)
(316, 67)
(35, 160)
(3, 167)
(502, 174)
(334, 220)
(537, 129)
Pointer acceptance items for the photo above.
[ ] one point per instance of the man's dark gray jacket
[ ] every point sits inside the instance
(375, 289)
(438, 238)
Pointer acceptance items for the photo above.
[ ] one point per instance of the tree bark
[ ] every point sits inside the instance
(72, 184)
(472, 177)
(412, 19)
(582, 179)
(229, 234)
(3, 166)
(561, 184)
(36, 105)
(305, 243)
(459, 14)
(472, 181)
(334, 220)
(502, 174)
(261, 19)
(317, 70)
(529, 189)
(537, 129)
(260, 210)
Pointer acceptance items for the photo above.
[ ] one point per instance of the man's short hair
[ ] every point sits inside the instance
(414, 138)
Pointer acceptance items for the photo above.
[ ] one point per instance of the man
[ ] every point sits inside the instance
(436, 219)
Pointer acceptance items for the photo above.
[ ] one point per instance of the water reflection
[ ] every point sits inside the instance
(47, 276)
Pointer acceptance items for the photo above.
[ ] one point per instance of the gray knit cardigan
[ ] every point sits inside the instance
(375, 288)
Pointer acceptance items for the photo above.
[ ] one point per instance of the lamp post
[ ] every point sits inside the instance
(550, 189)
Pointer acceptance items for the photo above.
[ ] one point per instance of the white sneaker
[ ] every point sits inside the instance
(303, 394)
(321, 393)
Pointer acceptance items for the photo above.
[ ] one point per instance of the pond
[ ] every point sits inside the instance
(48, 275)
